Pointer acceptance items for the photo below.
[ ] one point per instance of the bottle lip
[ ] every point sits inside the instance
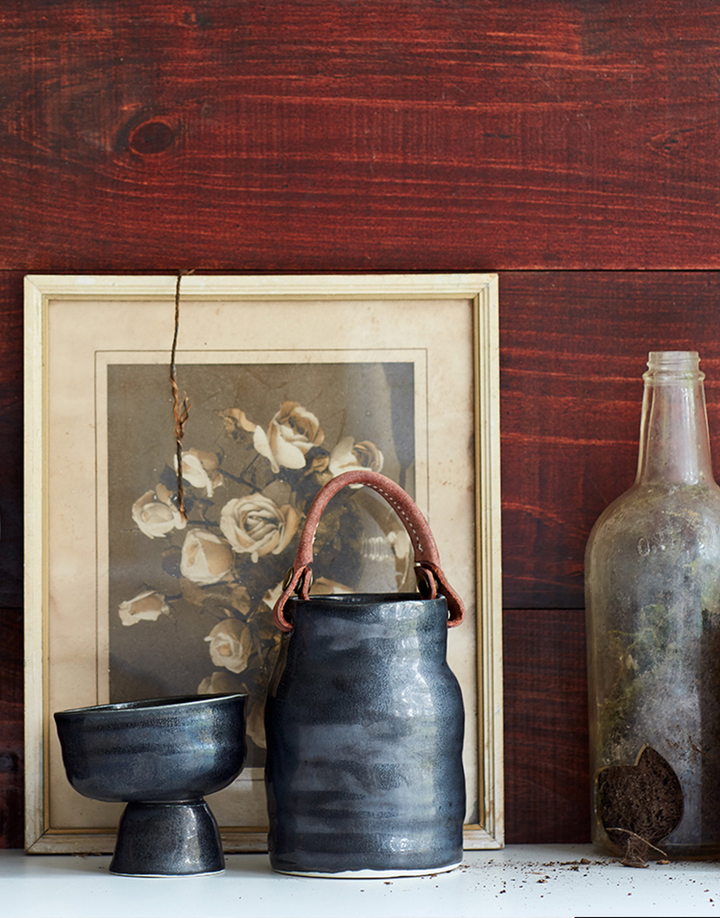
(673, 365)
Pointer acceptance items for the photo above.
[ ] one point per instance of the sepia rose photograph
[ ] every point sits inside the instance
(190, 596)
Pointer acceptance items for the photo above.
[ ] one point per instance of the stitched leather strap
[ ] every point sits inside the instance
(427, 558)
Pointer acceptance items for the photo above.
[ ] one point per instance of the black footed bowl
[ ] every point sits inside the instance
(160, 756)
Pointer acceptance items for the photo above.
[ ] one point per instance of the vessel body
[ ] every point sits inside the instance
(364, 722)
(652, 588)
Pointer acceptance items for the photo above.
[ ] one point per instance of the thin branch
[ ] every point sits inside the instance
(181, 409)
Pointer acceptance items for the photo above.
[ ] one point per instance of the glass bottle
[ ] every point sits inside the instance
(652, 596)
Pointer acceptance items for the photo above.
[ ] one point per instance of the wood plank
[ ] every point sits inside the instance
(11, 438)
(11, 729)
(573, 348)
(547, 795)
(327, 136)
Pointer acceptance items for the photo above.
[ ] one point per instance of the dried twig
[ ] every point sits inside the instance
(637, 848)
(181, 409)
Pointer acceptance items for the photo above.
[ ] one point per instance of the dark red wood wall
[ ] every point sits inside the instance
(572, 146)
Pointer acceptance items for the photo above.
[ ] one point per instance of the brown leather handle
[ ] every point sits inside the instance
(427, 558)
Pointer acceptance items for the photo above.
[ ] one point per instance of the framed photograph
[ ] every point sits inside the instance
(288, 381)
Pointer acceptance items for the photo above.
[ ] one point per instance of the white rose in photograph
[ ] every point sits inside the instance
(156, 515)
(348, 456)
(205, 557)
(201, 470)
(230, 645)
(147, 607)
(271, 596)
(220, 683)
(235, 421)
(256, 525)
(292, 433)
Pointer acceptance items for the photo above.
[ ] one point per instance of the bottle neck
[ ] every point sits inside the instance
(674, 439)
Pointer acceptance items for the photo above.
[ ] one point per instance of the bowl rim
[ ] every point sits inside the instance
(150, 704)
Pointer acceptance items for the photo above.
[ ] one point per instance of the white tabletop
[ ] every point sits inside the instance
(555, 880)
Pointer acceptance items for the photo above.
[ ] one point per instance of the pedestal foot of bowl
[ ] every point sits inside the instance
(167, 839)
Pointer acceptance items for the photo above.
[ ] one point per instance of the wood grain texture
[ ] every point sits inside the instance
(453, 134)
(11, 729)
(11, 440)
(547, 790)
(11, 561)
(573, 349)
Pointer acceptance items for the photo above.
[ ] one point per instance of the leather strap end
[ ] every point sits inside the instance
(456, 607)
(291, 583)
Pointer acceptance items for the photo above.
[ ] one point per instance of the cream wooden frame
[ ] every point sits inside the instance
(481, 290)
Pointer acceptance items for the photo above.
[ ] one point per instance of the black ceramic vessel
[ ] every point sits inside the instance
(160, 756)
(365, 724)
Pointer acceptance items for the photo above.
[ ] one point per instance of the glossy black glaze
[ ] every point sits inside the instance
(161, 756)
(167, 839)
(365, 727)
